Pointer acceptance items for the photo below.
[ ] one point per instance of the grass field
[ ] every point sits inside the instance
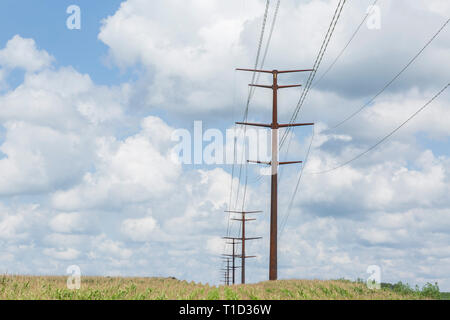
(101, 288)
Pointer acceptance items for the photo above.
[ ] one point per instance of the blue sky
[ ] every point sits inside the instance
(86, 118)
(46, 23)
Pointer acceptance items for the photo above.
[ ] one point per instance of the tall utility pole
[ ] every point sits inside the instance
(274, 126)
(243, 239)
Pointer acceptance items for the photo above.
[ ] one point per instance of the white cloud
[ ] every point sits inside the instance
(69, 254)
(51, 121)
(9, 226)
(22, 53)
(68, 222)
(186, 58)
(127, 171)
(215, 245)
(110, 249)
(18, 222)
(40, 158)
(62, 99)
(136, 212)
(139, 229)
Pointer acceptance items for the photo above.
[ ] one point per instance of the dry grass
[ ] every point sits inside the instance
(100, 288)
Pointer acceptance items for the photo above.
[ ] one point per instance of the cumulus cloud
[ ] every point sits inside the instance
(139, 229)
(69, 254)
(128, 171)
(22, 53)
(50, 121)
(186, 60)
(112, 201)
(68, 222)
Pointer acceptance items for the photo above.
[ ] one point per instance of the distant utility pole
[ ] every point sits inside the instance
(233, 259)
(226, 272)
(274, 126)
(243, 238)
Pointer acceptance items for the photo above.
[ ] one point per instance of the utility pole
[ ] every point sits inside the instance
(243, 239)
(233, 259)
(274, 126)
(226, 272)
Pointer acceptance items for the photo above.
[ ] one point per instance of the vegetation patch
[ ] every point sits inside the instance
(107, 288)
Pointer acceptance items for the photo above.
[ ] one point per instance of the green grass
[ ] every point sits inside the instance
(101, 288)
(445, 295)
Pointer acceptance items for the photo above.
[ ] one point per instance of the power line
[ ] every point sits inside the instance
(272, 27)
(393, 79)
(250, 95)
(316, 66)
(385, 137)
(269, 39)
(291, 202)
(345, 47)
(383, 89)
(246, 111)
(251, 92)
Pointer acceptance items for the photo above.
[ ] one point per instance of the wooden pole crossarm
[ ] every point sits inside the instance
(294, 125)
(289, 86)
(291, 71)
(240, 257)
(254, 70)
(255, 124)
(254, 238)
(232, 211)
(260, 86)
(243, 219)
(277, 87)
(260, 162)
(274, 71)
(290, 162)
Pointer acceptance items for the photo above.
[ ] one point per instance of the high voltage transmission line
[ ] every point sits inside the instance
(291, 202)
(274, 163)
(318, 61)
(385, 137)
(394, 78)
(248, 104)
(250, 94)
(410, 62)
(274, 126)
(345, 47)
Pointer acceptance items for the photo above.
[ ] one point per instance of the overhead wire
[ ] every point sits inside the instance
(345, 47)
(385, 137)
(245, 118)
(291, 202)
(378, 94)
(317, 63)
(250, 95)
(316, 66)
(393, 79)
